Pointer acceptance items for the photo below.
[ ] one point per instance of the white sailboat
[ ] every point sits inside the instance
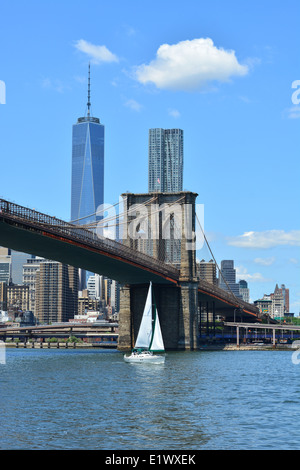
(149, 339)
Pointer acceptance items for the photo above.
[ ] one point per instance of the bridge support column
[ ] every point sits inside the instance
(125, 322)
(188, 324)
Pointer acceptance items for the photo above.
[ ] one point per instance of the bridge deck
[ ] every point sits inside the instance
(29, 231)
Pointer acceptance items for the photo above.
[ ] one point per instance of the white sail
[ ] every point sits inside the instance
(157, 340)
(145, 331)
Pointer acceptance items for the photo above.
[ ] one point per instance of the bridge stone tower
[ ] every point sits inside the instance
(162, 225)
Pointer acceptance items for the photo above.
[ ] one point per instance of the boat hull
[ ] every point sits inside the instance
(144, 358)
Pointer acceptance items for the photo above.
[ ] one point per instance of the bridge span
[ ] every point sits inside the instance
(180, 295)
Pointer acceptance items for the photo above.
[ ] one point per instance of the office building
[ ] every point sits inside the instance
(87, 167)
(18, 259)
(87, 188)
(165, 164)
(244, 290)
(227, 278)
(94, 286)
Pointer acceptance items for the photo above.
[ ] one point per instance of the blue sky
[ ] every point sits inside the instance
(221, 71)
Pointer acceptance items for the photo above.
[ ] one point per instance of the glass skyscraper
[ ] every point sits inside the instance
(165, 165)
(227, 279)
(87, 167)
(87, 192)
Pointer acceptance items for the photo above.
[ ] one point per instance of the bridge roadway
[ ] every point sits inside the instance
(29, 231)
(81, 330)
(262, 326)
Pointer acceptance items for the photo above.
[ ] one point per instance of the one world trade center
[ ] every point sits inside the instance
(87, 189)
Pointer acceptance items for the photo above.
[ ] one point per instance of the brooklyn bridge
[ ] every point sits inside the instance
(135, 259)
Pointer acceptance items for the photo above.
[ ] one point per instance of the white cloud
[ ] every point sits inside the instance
(267, 239)
(293, 112)
(242, 273)
(134, 105)
(55, 85)
(265, 261)
(174, 113)
(190, 65)
(97, 54)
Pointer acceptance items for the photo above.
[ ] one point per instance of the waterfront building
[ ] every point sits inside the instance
(87, 188)
(277, 303)
(94, 286)
(227, 278)
(207, 271)
(244, 290)
(264, 305)
(30, 268)
(165, 160)
(5, 265)
(86, 303)
(3, 296)
(17, 298)
(286, 298)
(18, 259)
(115, 296)
(273, 304)
(56, 297)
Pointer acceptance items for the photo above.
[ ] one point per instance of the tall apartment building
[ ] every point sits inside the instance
(227, 279)
(56, 295)
(165, 164)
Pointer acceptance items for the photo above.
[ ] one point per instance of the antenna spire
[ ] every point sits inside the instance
(89, 92)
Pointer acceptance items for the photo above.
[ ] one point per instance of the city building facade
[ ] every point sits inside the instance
(56, 296)
(87, 167)
(87, 186)
(207, 271)
(165, 163)
(5, 265)
(227, 278)
(244, 290)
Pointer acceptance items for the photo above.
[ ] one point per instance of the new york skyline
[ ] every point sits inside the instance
(222, 73)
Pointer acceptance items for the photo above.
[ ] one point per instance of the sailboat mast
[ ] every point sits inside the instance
(153, 311)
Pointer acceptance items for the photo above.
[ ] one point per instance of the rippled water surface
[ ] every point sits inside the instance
(82, 399)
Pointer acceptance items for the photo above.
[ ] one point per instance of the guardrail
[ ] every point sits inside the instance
(41, 221)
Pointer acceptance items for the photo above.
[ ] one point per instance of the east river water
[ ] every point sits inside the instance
(83, 399)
